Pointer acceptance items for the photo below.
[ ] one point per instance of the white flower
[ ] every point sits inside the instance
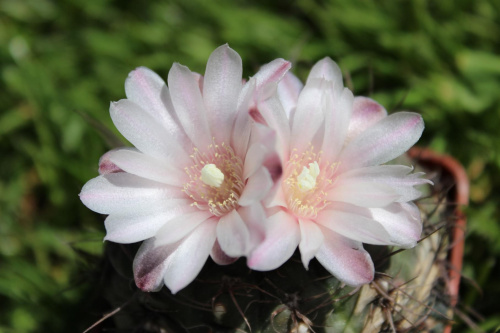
(193, 185)
(335, 193)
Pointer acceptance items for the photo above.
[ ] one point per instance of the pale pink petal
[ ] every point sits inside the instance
(122, 193)
(254, 159)
(176, 264)
(142, 165)
(255, 219)
(145, 133)
(177, 227)
(338, 113)
(243, 122)
(270, 113)
(309, 114)
(326, 69)
(365, 113)
(233, 235)
(221, 88)
(272, 73)
(219, 257)
(288, 91)
(282, 238)
(256, 188)
(188, 259)
(311, 239)
(189, 106)
(150, 265)
(398, 177)
(105, 164)
(364, 193)
(355, 223)
(345, 259)
(402, 221)
(384, 141)
(147, 89)
(130, 228)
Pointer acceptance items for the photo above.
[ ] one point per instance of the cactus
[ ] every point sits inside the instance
(409, 292)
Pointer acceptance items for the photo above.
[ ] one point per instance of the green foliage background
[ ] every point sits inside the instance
(61, 62)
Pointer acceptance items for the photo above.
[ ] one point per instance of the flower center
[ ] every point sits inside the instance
(306, 185)
(215, 179)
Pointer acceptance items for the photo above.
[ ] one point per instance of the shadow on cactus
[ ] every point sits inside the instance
(410, 292)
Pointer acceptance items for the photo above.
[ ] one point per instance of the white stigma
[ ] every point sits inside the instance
(307, 178)
(211, 175)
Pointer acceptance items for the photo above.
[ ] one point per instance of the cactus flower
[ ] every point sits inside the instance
(336, 193)
(193, 184)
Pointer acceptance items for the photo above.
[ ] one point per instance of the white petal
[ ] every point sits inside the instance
(145, 133)
(309, 114)
(189, 106)
(256, 188)
(255, 219)
(142, 165)
(363, 193)
(179, 226)
(242, 124)
(288, 91)
(271, 73)
(221, 88)
(184, 264)
(326, 69)
(338, 113)
(131, 228)
(398, 177)
(105, 164)
(233, 235)
(402, 222)
(355, 223)
(125, 193)
(311, 239)
(148, 90)
(219, 257)
(345, 259)
(282, 238)
(150, 265)
(384, 141)
(365, 113)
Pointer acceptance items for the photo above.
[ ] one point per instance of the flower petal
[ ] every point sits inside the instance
(384, 141)
(196, 247)
(145, 133)
(177, 227)
(309, 114)
(121, 193)
(105, 164)
(327, 69)
(131, 228)
(189, 106)
(243, 122)
(363, 193)
(345, 259)
(147, 89)
(271, 73)
(402, 221)
(142, 165)
(338, 112)
(255, 219)
(398, 177)
(156, 264)
(311, 239)
(365, 113)
(219, 257)
(221, 88)
(233, 235)
(355, 223)
(256, 188)
(282, 238)
(288, 91)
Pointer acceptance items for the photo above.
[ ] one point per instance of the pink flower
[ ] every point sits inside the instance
(193, 184)
(335, 193)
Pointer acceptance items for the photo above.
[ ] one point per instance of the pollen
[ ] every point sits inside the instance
(215, 179)
(307, 180)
